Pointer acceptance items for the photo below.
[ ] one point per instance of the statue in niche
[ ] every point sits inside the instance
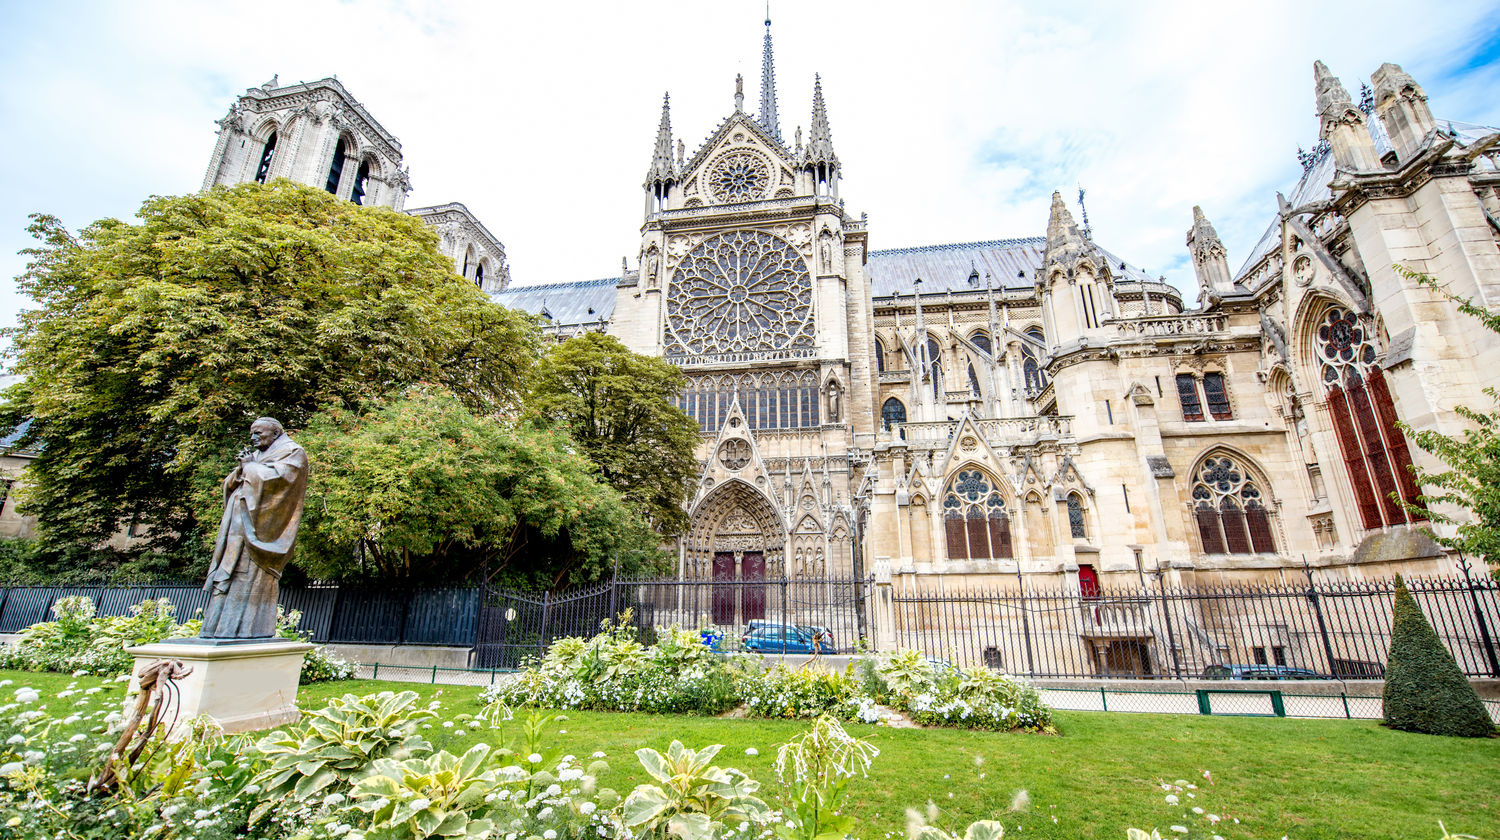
(833, 402)
(262, 510)
(650, 269)
(825, 252)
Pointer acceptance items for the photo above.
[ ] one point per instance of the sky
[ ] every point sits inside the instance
(954, 121)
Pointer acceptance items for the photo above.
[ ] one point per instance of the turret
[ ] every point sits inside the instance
(1343, 125)
(662, 174)
(1210, 259)
(1402, 107)
(819, 158)
(1074, 279)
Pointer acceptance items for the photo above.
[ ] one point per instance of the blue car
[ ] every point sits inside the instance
(784, 638)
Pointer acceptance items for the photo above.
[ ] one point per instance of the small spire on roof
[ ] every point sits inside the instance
(768, 117)
(739, 93)
(1083, 211)
(661, 159)
(820, 138)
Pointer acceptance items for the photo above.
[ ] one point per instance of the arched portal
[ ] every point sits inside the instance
(736, 540)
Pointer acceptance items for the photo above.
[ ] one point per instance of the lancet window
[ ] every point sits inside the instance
(1231, 512)
(935, 365)
(361, 180)
(770, 400)
(892, 413)
(266, 154)
(1375, 454)
(336, 169)
(1031, 369)
(1076, 525)
(981, 340)
(975, 519)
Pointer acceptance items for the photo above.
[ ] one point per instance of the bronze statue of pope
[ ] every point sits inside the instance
(262, 509)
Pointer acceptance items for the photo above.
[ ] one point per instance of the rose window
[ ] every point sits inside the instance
(739, 176)
(737, 293)
(1344, 348)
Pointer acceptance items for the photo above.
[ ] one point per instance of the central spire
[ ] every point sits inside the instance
(768, 118)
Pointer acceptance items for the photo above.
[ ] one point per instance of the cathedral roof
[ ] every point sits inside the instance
(1011, 262)
(1313, 186)
(567, 304)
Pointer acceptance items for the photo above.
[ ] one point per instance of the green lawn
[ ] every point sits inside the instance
(1303, 779)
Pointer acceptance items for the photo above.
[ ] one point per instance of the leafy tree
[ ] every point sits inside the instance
(155, 344)
(1424, 689)
(620, 407)
(421, 488)
(1472, 480)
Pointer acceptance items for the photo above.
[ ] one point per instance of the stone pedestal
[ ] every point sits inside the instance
(242, 684)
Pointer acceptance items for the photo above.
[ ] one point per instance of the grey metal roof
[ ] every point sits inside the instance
(580, 302)
(1313, 185)
(1011, 262)
(8, 442)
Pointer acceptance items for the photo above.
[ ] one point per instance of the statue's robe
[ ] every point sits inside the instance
(262, 509)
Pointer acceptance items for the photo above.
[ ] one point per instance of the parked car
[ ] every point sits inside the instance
(784, 638)
(822, 634)
(1260, 672)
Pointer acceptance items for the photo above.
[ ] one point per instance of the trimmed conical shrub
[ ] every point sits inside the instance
(1424, 689)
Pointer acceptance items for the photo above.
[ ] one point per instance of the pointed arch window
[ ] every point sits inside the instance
(1231, 512)
(981, 340)
(892, 413)
(879, 357)
(361, 180)
(266, 155)
(1075, 517)
(336, 169)
(1376, 459)
(973, 381)
(479, 275)
(1031, 370)
(975, 519)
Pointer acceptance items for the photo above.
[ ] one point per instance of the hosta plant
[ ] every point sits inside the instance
(694, 798)
(435, 796)
(338, 744)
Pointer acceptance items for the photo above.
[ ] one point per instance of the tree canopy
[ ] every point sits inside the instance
(1472, 480)
(155, 343)
(620, 408)
(420, 488)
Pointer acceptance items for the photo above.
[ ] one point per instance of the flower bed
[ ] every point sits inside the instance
(614, 672)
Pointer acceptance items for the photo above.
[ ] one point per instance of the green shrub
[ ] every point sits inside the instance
(1424, 689)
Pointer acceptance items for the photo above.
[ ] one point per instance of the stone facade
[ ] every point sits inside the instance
(1038, 408)
(317, 133)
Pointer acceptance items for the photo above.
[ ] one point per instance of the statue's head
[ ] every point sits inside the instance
(264, 432)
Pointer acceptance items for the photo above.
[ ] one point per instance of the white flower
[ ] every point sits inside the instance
(11, 767)
(420, 803)
(751, 751)
(534, 758)
(587, 808)
(553, 790)
(549, 834)
(1197, 810)
(76, 738)
(1171, 799)
(28, 695)
(1182, 829)
(16, 739)
(333, 799)
(598, 754)
(544, 813)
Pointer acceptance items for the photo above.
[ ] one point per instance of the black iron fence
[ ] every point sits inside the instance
(331, 612)
(1323, 631)
(1327, 630)
(516, 625)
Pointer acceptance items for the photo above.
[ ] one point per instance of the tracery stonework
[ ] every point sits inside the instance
(739, 176)
(738, 293)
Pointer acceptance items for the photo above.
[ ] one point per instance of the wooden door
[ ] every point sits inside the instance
(753, 597)
(723, 591)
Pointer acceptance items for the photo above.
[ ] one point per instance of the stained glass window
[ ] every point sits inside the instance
(1231, 512)
(892, 413)
(769, 400)
(1187, 394)
(740, 296)
(975, 519)
(739, 176)
(1075, 517)
(1376, 458)
(981, 340)
(1218, 396)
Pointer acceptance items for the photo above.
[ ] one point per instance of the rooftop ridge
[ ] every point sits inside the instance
(527, 287)
(949, 246)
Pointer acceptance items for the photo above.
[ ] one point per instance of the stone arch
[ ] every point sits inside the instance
(736, 519)
(1232, 503)
(977, 509)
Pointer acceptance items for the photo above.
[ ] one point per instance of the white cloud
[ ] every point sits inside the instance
(954, 121)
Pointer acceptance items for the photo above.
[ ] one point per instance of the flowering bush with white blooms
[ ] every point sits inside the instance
(614, 672)
(78, 641)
